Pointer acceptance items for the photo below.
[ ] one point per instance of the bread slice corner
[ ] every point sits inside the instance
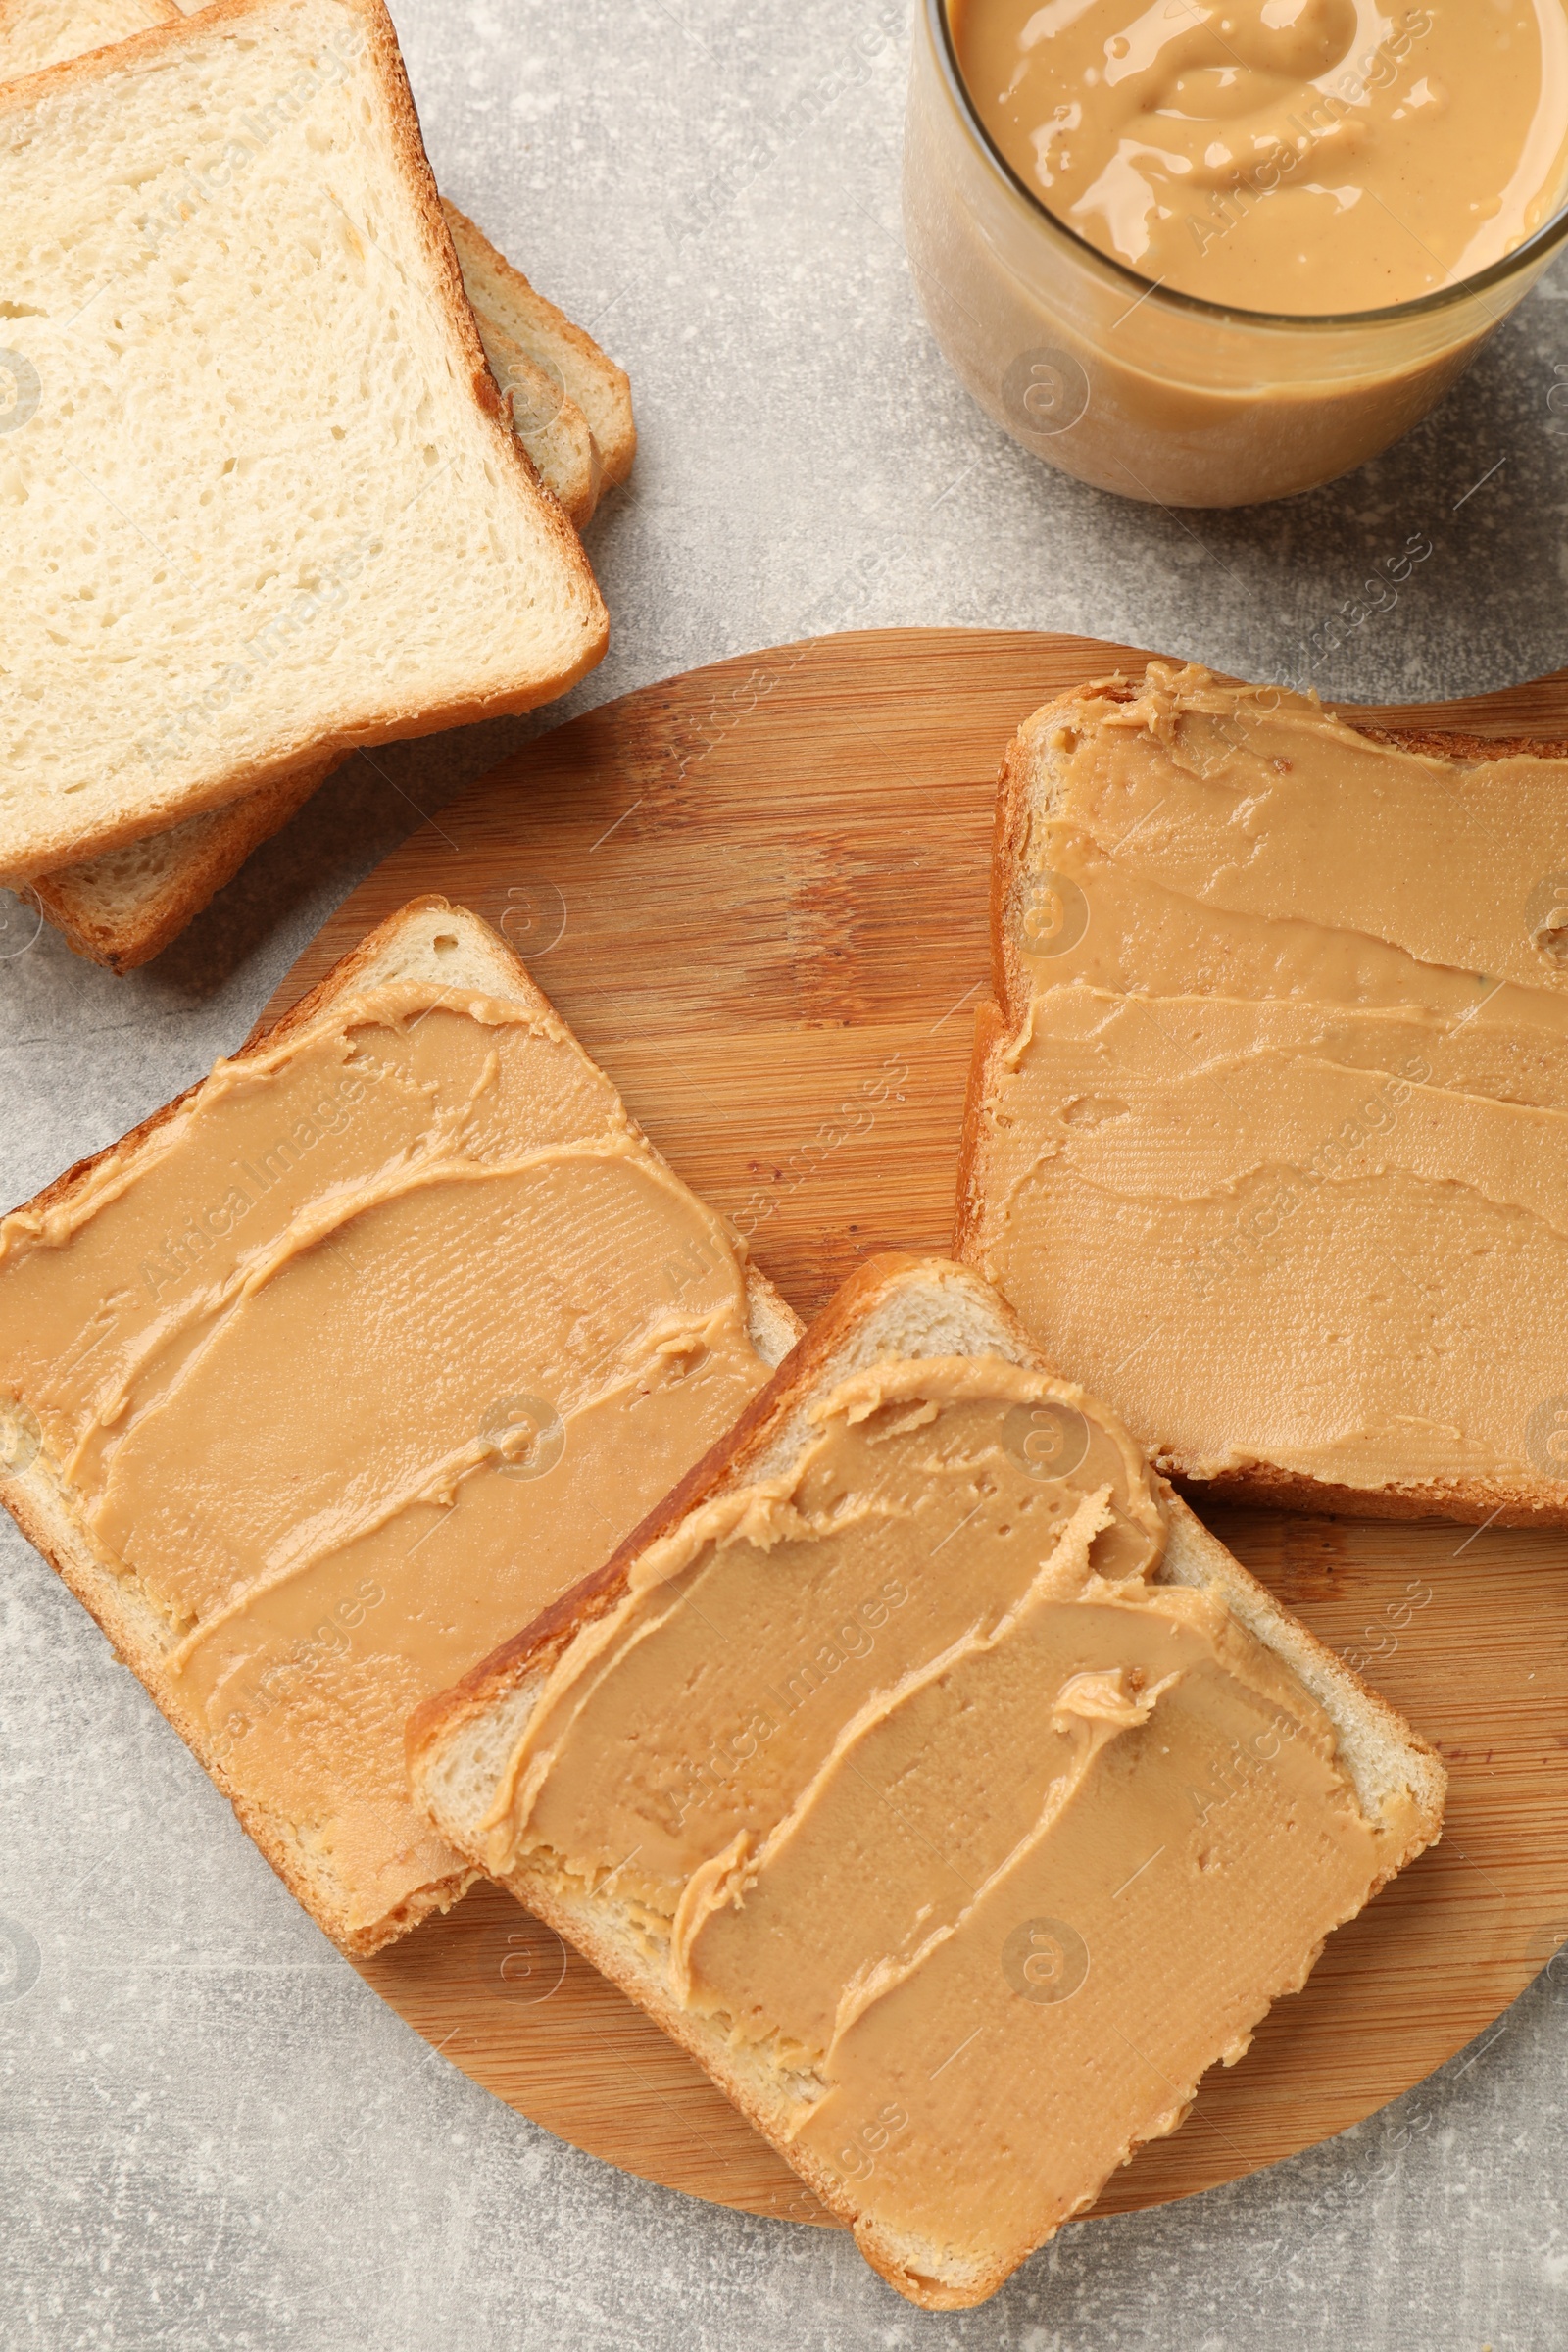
(567, 354)
(126, 906)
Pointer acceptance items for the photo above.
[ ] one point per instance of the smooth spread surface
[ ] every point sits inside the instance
(394, 1333)
(1281, 1148)
(988, 1845)
(1281, 155)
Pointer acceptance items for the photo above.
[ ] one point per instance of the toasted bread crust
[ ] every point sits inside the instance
(1465, 1501)
(123, 939)
(615, 431)
(1468, 1501)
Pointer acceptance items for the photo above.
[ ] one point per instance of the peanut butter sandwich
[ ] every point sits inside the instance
(347, 1361)
(1268, 1128)
(867, 1767)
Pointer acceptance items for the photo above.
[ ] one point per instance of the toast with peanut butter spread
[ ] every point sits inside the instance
(928, 1772)
(1267, 1131)
(345, 1362)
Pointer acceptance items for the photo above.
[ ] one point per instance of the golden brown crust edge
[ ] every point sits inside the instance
(419, 182)
(1462, 1502)
(122, 945)
(574, 459)
(1465, 1501)
(618, 447)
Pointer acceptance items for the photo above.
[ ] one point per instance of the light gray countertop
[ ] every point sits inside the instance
(214, 2135)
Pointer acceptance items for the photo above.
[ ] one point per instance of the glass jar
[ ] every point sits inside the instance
(1138, 389)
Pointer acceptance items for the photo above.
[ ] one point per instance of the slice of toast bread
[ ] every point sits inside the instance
(37, 33)
(124, 907)
(363, 383)
(1184, 913)
(472, 1768)
(431, 945)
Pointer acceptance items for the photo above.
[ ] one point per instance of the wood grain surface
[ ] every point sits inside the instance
(758, 893)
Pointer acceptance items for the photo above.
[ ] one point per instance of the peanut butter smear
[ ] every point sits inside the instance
(1278, 1154)
(389, 1334)
(984, 1842)
(1301, 156)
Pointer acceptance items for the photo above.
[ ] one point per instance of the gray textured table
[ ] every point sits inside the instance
(215, 2135)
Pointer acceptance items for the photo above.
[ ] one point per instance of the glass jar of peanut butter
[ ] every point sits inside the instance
(1211, 255)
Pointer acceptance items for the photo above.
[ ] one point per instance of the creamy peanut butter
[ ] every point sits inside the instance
(388, 1336)
(1299, 156)
(1279, 1150)
(1213, 403)
(981, 1840)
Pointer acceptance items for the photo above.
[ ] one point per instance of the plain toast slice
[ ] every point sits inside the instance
(334, 379)
(124, 907)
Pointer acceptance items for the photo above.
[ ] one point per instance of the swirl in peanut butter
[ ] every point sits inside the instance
(1297, 156)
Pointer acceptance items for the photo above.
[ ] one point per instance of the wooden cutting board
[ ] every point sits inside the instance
(759, 894)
